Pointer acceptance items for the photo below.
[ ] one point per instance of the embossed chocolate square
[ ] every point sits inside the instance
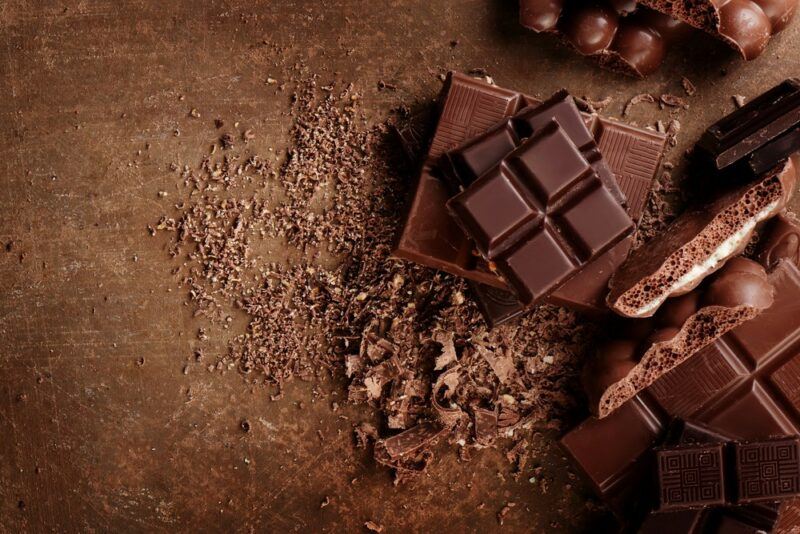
(768, 470)
(541, 214)
(691, 476)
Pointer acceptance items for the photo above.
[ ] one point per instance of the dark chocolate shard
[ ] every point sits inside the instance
(480, 154)
(753, 138)
(745, 25)
(541, 215)
(408, 451)
(696, 244)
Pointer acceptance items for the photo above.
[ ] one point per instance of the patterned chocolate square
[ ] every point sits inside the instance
(768, 470)
(691, 477)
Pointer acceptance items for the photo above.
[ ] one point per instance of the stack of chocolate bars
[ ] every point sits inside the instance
(535, 202)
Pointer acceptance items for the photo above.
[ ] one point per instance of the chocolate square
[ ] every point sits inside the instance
(542, 214)
(691, 477)
(768, 470)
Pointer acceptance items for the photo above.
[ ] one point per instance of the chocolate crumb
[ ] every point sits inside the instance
(688, 86)
(638, 99)
(739, 101)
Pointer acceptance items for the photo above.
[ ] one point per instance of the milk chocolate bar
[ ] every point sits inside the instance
(619, 35)
(697, 243)
(745, 385)
(542, 214)
(470, 107)
(746, 25)
(643, 351)
(750, 140)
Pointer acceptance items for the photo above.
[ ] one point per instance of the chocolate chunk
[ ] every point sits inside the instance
(746, 25)
(696, 244)
(541, 215)
(691, 477)
(744, 385)
(736, 294)
(432, 238)
(752, 139)
(619, 36)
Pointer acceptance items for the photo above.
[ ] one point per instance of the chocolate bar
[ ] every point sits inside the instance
(620, 36)
(696, 244)
(542, 214)
(643, 351)
(745, 384)
(746, 25)
(710, 474)
(470, 107)
(750, 140)
(483, 152)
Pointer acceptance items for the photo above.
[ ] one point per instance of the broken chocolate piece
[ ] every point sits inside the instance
(686, 324)
(541, 215)
(749, 141)
(696, 244)
(782, 241)
(746, 25)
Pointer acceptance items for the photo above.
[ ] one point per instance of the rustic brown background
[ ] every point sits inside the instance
(90, 440)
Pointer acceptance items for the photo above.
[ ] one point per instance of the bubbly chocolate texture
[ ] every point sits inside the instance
(696, 244)
(645, 349)
(746, 25)
(617, 33)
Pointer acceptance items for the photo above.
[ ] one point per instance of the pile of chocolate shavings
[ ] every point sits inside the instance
(409, 339)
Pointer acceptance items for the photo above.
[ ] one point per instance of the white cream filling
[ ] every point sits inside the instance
(728, 247)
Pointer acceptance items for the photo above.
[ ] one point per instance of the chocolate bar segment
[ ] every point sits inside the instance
(479, 155)
(752, 139)
(746, 25)
(542, 214)
(619, 36)
(696, 244)
(767, 470)
(691, 477)
(432, 238)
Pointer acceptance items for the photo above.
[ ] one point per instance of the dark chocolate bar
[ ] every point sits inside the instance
(642, 351)
(750, 140)
(620, 36)
(469, 107)
(542, 214)
(746, 25)
(745, 384)
(697, 243)
(711, 474)
(752, 519)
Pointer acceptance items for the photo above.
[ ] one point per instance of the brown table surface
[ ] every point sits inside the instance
(91, 441)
